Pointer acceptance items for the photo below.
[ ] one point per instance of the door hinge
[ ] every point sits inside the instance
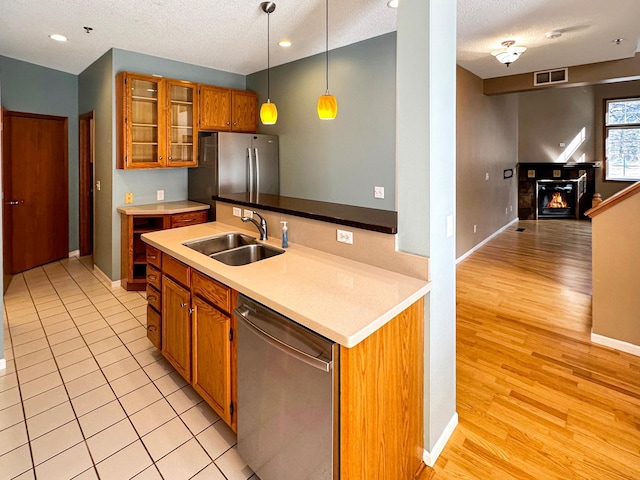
(231, 408)
(231, 334)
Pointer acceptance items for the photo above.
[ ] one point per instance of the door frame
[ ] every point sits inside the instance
(86, 151)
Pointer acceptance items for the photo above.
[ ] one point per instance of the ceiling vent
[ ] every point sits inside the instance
(549, 77)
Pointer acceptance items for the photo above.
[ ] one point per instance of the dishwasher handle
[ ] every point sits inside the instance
(280, 345)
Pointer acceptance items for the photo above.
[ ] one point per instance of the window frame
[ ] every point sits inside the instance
(607, 127)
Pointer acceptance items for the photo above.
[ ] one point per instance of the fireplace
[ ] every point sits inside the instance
(559, 198)
(573, 182)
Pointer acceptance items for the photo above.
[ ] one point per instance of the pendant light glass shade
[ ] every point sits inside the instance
(327, 103)
(268, 113)
(327, 107)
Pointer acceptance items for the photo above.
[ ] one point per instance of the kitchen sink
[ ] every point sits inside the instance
(246, 254)
(220, 243)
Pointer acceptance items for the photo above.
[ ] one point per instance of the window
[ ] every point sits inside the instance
(622, 139)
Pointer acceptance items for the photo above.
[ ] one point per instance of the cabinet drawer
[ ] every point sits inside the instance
(189, 218)
(154, 277)
(154, 298)
(154, 256)
(213, 292)
(176, 270)
(154, 325)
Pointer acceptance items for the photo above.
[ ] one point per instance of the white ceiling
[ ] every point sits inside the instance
(231, 35)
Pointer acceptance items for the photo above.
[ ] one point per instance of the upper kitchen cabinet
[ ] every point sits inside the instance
(223, 109)
(155, 122)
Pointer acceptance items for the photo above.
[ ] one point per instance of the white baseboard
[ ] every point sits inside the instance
(75, 253)
(489, 238)
(104, 278)
(615, 344)
(429, 458)
(3, 363)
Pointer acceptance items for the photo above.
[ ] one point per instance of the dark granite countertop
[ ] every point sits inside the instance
(373, 219)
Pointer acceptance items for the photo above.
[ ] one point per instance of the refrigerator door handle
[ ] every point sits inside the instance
(257, 177)
(250, 170)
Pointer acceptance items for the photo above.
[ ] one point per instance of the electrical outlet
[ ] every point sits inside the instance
(378, 192)
(98, 185)
(486, 176)
(160, 194)
(506, 211)
(248, 213)
(511, 208)
(345, 236)
(475, 228)
(237, 212)
(128, 198)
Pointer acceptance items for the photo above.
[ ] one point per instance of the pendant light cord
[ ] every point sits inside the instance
(327, 43)
(268, 57)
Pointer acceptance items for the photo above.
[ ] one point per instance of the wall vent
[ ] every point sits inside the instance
(548, 77)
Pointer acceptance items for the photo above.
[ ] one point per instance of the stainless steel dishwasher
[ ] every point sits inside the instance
(285, 396)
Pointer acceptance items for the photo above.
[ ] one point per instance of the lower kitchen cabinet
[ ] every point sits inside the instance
(176, 326)
(211, 356)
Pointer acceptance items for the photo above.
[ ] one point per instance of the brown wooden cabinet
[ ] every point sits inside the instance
(156, 122)
(176, 325)
(134, 253)
(223, 109)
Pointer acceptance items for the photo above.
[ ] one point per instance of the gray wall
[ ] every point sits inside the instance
(35, 89)
(486, 142)
(95, 93)
(426, 190)
(340, 160)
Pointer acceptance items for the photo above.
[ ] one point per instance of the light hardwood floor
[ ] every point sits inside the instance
(537, 400)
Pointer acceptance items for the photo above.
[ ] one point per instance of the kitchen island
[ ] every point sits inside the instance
(376, 316)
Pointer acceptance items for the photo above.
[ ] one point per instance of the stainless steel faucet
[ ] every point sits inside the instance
(262, 226)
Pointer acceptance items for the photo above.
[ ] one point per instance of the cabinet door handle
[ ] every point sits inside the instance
(190, 311)
(182, 305)
(152, 328)
(160, 158)
(153, 278)
(228, 123)
(186, 220)
(170, 157)
(152, 298)
(152, 257)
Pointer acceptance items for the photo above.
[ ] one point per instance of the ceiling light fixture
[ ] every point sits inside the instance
(268, 110)
(284, 43)
(392, 3)
(553, 34)
(617, 41)
(58, 38)
(327, 103)
(509, 52)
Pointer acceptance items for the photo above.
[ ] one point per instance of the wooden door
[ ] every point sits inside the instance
(176, 326)
(86, 143)
(215, 108)
(244, 111)
(211, 350)
(36, 190)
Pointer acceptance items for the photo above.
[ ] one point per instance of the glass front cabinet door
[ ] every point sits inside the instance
(182, 137)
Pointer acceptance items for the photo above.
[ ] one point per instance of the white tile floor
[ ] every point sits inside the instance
(85, 395)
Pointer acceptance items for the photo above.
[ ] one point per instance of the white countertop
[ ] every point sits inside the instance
(339, 298)
(163, 208)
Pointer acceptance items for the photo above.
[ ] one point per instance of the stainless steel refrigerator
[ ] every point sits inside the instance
(234, 163)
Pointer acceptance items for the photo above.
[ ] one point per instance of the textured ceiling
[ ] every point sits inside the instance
(230, 35)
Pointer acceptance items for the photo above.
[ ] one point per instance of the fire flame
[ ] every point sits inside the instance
(557, 201)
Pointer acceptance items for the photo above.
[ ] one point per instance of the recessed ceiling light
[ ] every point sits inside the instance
(284, 43)
(392, 3)
(58, 38)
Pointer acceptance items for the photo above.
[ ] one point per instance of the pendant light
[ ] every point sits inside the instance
(268, 110)
(327, 103)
